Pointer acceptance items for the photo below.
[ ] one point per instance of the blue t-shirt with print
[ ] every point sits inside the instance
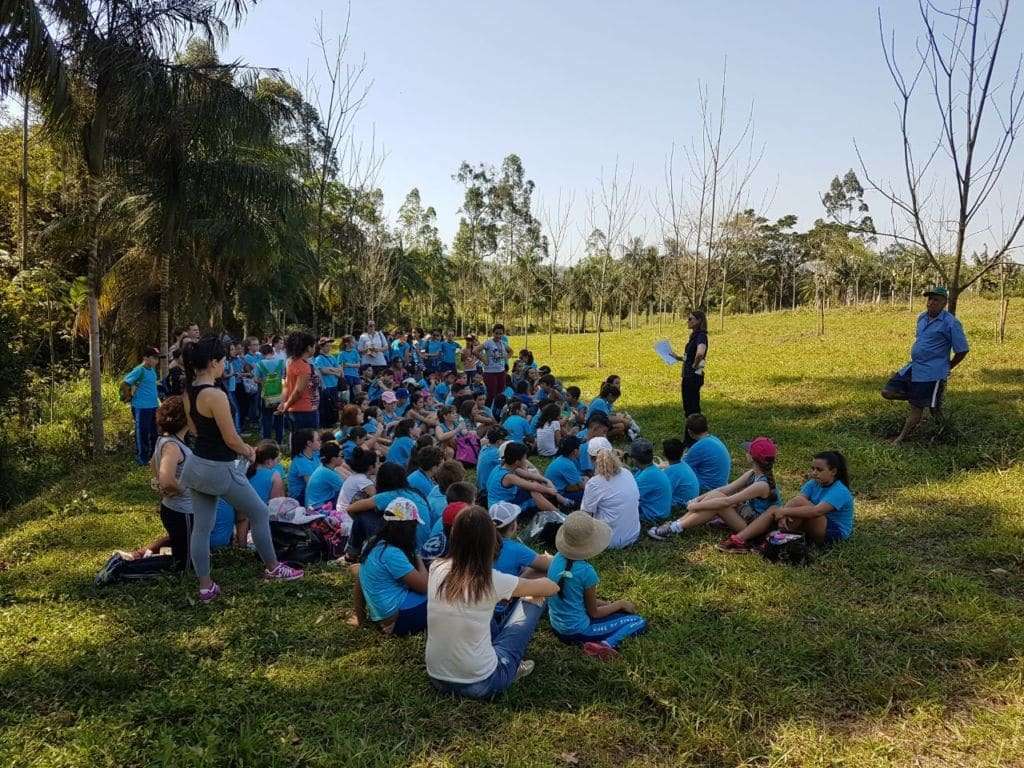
(567, 612)
(324, 485)
(518, 429)
(434, 349)
(514, 557)
(349, 359)
(232, 368)
(838, 496)
(441, 392)
(710, 461)
(486, 461)
(143, 378)
(449, 349)
(563, 472)
(381, 576)
(655, 494)
(685, 485)
(299, 472)
(401, 450)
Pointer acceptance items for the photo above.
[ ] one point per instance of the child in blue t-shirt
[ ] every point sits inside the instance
(684, 482)
(737, 503)
(822, 511)
(391, 582)
(513, 557)
(325, 483)
(577, 616)
(305, 453)
(564, 471)
(349, 359)
(449, 352)
(516, 425)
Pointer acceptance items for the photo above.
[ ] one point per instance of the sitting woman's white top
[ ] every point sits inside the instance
(459, 646)
(614, 500)
(546, 439)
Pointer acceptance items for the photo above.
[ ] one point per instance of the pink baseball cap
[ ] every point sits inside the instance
(389, 397)
(761, 449)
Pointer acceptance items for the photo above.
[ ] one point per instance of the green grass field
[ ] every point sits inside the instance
(903, 647)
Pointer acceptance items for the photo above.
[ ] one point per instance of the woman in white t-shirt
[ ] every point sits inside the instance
(462, 591)
(359, 484)
(612, 495)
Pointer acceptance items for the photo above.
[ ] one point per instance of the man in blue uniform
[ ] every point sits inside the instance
(922, 381)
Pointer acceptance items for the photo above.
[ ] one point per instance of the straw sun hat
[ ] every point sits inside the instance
(582, 537)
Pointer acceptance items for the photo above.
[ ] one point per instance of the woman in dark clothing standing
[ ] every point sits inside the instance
(212, 471)
(693, 362)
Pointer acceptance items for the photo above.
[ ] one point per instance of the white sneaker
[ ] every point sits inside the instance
(525, 668)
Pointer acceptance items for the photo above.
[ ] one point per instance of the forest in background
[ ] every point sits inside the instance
(147, 184)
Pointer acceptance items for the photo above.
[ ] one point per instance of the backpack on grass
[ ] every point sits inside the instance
(786, 548)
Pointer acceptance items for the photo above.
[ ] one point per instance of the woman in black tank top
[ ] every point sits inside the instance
(212, 471)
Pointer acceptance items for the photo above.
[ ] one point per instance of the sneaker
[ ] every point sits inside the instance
(208, 595)
(600, 651)
(660, 532)
(283, 572)
(525, 668)
(109, 572)
(734, 545)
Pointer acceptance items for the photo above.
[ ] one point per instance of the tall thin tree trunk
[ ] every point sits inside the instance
(23, 184)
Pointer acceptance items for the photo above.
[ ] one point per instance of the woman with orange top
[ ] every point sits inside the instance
(301, 400)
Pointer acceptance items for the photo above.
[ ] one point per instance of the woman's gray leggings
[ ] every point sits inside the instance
(209, 480)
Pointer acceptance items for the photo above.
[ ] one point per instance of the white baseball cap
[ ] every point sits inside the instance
(597, 444)
(504, 512)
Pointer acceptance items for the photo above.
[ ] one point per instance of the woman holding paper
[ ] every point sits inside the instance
(693, 362)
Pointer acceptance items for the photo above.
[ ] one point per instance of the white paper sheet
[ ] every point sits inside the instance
(664, 350)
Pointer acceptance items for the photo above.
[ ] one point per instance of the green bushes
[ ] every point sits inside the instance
(39, 444)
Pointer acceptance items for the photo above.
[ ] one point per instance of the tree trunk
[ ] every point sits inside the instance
(95, 382)
(23, 184)
(821, 313)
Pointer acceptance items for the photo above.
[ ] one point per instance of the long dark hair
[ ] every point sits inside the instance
(564, 576)
(329, 451)
(391, 477)
(362, 461)
(198, 356)
(471, 552)
(549, 413)
(767, 466)
(300, 439)
(702, 321)
(395, 533)
(837, 463)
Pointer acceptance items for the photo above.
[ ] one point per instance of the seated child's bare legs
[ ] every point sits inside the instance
(813, 528)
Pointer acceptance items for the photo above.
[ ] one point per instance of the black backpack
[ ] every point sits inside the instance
(786, 548)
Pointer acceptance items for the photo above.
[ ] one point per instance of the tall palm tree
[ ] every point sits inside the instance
(116, 52)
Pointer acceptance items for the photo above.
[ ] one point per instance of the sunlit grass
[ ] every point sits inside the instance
(902, 647)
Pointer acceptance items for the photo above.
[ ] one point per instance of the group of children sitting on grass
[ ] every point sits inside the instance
(431, 549)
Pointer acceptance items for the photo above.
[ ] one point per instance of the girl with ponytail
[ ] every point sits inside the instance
(213, 472)
(822, 511)
(746, 498)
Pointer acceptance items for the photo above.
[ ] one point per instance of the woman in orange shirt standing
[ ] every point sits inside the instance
(301, 400)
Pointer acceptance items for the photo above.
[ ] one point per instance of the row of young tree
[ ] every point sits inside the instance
(149, 184)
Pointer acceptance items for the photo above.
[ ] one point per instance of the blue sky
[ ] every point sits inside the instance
(571, 85)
